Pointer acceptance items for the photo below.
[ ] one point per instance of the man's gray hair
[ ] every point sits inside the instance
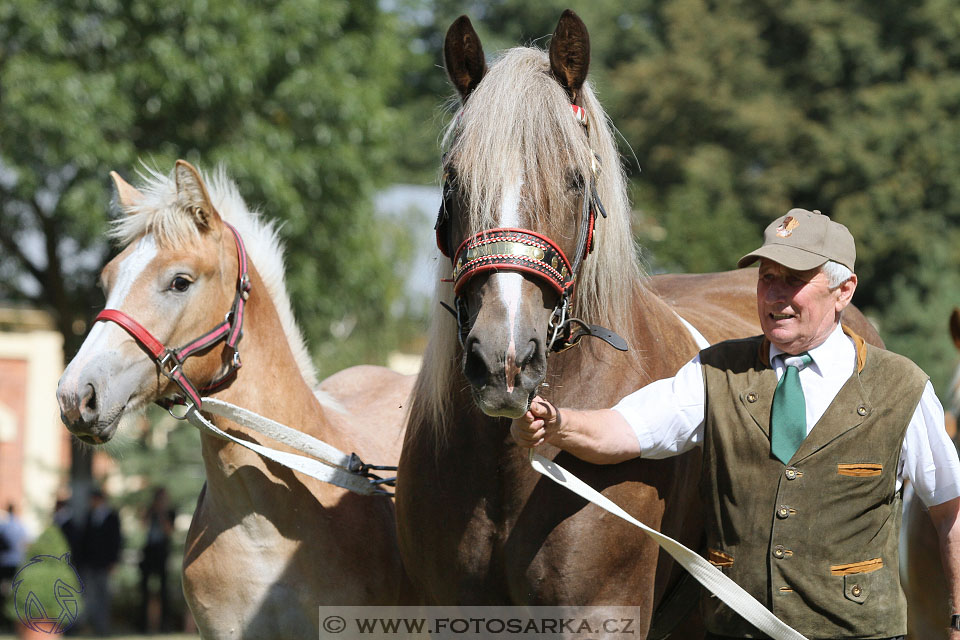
(836, 273)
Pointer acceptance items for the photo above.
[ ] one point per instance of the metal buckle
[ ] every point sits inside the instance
(164, 362)
(558, 320)
(245, 286)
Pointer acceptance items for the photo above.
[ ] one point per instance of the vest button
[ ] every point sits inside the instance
(751, 397)
(783, 512)
(862, 410)
(778, 551)
(856, 591)
(791, 473)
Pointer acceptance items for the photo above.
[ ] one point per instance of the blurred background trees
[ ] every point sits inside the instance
(730, 114)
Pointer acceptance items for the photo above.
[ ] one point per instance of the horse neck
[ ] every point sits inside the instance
(594, 375)
(270, 384)
(659, 335)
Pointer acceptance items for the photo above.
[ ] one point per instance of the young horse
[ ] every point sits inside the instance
(525, 175)
(266, 545)
(928, 597)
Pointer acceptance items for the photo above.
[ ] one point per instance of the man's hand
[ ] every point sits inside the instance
(536, 426)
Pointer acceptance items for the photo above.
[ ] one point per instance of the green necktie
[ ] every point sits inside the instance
(788, 415)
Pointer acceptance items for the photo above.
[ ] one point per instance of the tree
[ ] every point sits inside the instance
(292, 96)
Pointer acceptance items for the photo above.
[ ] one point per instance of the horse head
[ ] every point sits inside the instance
(170, 285)
(521, 203)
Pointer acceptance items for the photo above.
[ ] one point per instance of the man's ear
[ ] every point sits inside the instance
(846, 292)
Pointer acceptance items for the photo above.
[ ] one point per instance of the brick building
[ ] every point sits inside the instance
(34, 445)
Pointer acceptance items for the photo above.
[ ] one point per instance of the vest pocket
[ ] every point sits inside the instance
(857, 578)
(859, 469)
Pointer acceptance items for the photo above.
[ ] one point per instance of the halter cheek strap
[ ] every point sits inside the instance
(170, 361)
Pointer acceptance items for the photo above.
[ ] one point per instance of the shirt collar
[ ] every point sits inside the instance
(836, 353)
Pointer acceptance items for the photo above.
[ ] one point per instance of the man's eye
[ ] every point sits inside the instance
(180, 284)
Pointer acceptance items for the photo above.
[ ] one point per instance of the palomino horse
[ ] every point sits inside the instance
(928, 598)
(266, 545)
(530, 158)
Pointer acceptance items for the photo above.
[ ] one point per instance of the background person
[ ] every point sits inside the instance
(159, 519)
(807, 436)
(97, 552)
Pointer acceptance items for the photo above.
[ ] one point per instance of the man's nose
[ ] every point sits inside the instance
(776, 292)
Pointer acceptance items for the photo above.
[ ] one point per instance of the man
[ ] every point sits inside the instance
(807, 436)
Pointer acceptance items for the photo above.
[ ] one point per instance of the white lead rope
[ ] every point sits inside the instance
(331, 466)
(706, 574)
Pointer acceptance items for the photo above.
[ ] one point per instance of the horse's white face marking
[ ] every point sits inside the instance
(509, 284)
(102, 335)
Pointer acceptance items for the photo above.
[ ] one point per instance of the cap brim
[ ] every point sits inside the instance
(790, 257)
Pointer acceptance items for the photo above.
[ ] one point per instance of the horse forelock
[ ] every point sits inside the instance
(518, 126)
(159, 214)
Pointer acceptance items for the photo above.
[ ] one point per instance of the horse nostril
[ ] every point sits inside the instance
(475, 366)
(88, 402)
(532, 352)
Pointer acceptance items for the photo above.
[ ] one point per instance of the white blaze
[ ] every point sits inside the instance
(100, 338)
(509, 284)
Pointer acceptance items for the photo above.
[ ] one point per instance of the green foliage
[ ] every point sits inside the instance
(292, 96)
(746, 109)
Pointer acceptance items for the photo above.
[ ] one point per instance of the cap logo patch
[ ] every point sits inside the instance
(785, 230)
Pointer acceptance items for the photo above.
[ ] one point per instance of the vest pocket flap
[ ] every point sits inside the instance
(859, 469)
(853, 568)
(719, 558)
(856, 587)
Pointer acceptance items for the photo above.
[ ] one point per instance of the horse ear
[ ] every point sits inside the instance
(955, 326)
(192, 195)
(463, 56)
(570, 53)
(127, 194)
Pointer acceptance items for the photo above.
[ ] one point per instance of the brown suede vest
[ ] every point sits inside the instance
(814, 540)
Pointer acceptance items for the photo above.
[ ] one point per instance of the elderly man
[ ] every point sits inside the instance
(808, 435)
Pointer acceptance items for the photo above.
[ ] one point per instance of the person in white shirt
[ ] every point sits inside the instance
(867, 421)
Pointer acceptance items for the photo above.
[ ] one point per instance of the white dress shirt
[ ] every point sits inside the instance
(667, 416)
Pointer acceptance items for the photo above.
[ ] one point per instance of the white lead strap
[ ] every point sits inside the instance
(706, 574)
(331, 465)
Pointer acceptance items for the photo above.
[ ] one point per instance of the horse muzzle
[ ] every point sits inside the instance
(504, 379)
(93, 398)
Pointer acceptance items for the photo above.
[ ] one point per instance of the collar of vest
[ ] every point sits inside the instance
(858, 343)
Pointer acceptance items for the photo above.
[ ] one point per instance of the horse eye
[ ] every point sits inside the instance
(180, 284)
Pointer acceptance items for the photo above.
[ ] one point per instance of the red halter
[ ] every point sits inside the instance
(170, 361)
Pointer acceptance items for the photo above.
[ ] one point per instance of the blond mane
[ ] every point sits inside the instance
(159, 214)
(518, 122)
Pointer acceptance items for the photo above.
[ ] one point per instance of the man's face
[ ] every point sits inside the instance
(798, 310)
